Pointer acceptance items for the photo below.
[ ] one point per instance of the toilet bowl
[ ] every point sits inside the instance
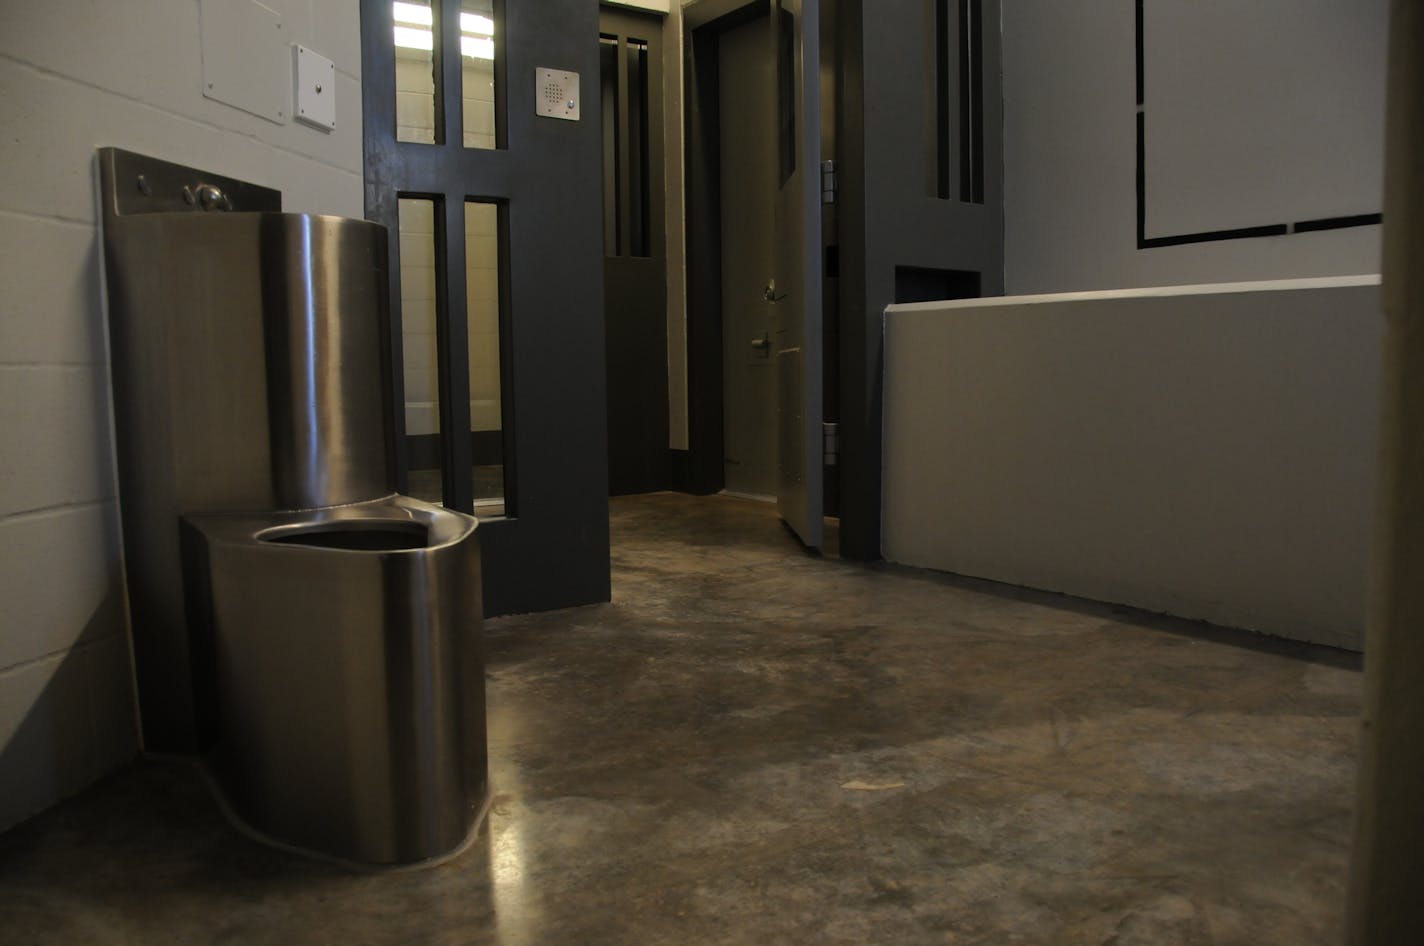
(349, 677)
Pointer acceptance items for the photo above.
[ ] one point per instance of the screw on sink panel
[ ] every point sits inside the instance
(318, 90)
(143, 186)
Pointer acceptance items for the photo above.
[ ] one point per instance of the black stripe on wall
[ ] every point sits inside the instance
(1139, 54)
(1337, 223)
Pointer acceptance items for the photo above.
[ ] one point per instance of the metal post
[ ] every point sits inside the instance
(1385, 902)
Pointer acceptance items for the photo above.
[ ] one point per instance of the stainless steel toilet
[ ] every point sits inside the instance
(314, 634)
(349, 678)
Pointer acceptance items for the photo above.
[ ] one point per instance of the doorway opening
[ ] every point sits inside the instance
(747, 149)
(761, 261)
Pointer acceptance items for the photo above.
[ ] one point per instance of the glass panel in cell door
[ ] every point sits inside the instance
(419, 352)
(478, 48)
(417, 119)
(483, 293)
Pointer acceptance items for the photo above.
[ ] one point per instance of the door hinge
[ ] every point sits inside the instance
(828, 182)
(831, 443)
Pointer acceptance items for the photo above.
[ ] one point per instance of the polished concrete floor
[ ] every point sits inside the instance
(756, 745)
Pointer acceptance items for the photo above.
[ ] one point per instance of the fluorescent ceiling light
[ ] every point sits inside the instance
(476, 30)
(418, 15)
(474, 23)
(412, 38)
(412, 13)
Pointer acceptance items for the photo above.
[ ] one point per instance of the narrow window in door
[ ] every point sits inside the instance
(417, 73)
(786, 90)
(627, 209)
(481, 47)
(612, 167)
(971, 102)
(636, 55)
(956, 152)
(419, 292)
(490, 440)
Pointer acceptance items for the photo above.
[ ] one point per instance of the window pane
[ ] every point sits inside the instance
(415, 72)
(637, 56)
(478, 49)
(608, 77)
(623, 79)
(482, 269)
(418, 346)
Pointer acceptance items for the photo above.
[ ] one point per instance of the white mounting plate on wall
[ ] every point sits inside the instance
(556, 94)
(314, 97)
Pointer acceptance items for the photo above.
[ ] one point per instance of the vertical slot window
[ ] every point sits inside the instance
(419, 348)
(627, 212)
(480, 50)
(944, 88)
(635, 54)
(971, 102)
(484, 308)
(612, 193)
(417, 81)
(786, 90)
(956, 154)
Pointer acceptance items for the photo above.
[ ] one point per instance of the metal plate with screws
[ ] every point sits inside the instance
(245, 58)
(147, 185)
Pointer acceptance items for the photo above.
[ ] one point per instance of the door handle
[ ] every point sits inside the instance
(762, 344)
(768, 292)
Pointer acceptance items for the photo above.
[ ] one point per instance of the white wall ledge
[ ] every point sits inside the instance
(1148, 292)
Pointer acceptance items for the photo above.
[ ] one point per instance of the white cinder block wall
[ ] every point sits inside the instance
(75, 76)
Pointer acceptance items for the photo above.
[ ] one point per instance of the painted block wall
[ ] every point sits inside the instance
(75, 76)
(1206, 451)
(1070, 155)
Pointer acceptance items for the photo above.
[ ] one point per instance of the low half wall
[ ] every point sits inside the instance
(1205, 451)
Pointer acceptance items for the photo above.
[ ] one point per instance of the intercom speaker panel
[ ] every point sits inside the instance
(556, 94)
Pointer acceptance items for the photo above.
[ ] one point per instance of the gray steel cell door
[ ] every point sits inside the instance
(747, 119)
(482, 158)
(634, 258)
(795, 287)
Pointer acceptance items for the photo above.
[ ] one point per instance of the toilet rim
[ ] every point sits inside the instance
(442, 527)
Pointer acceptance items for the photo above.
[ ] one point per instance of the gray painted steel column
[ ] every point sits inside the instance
(1385, 902)
(890, 219)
